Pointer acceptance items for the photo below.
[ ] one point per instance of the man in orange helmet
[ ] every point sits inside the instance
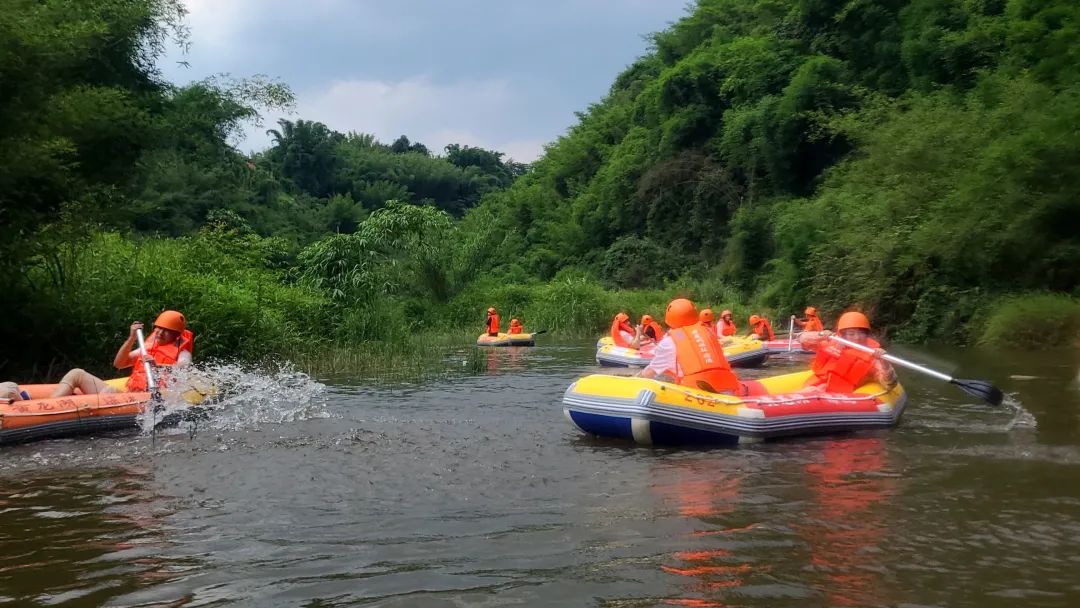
(812, 322)
(706, 319)
(651, 332)
(169, 345)
(841, 369)
(691, 353)
(623, 333)
(760, 328)
(516, 327)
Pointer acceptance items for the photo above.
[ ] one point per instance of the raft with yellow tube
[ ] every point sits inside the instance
(739, 353)
(43, 417)
(651, 412)
(522, 339)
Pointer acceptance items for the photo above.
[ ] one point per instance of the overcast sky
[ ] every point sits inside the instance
(501, 74)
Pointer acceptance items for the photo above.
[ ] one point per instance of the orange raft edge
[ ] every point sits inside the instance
(42, 417)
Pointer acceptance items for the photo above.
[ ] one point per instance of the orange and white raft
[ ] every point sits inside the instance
(42, 417)
(653, 412)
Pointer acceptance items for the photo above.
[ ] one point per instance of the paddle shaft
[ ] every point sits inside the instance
(790, 333)
(151, 382)
(896, 360)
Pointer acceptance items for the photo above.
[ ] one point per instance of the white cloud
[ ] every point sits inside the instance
(475, 113)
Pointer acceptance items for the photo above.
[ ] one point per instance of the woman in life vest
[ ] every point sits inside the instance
(624, 334)
(492, 323)
(651, 332)
(812, 322)
(841, 369)
(169, 345)
(516, 327)
(760, 328)
(727, 325)
(691, 354)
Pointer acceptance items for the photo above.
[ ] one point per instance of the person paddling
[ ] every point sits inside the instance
(812, 321)
(516, 327)
(706, 318)
(841, 369)
(690, 353)
(169, 345)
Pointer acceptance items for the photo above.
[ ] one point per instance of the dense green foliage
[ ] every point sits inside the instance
(914, 158)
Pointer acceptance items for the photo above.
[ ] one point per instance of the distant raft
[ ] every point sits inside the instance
(42, 417)
(786, 347)
(522, 339)
(651, 412)
(741, 353)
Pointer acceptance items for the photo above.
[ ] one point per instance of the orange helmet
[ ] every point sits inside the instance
(754, 319)
(170, 319)
(810, 311)
(622, 317)
(515, 322)
(706, 316)
(680, 312)
(646, 319)
(853, 320)
(726, 313)
(491, 311)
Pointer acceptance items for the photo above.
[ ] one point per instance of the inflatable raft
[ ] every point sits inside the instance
(42, 417)
(783, 347)
(742, 353)
(522, 339)
(653, 412)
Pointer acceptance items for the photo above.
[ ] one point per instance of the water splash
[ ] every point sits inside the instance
(238, 398)
(1022, 418)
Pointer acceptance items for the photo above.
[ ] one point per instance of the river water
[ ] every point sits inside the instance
(472, 489)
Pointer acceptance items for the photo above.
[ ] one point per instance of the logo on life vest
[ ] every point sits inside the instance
(705, 354)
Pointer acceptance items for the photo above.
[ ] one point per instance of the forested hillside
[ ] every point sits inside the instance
(915, 158)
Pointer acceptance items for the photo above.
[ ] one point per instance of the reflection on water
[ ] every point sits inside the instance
(79, 537)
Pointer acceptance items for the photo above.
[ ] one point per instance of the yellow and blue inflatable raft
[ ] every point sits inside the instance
(651, 412)
(522, 339)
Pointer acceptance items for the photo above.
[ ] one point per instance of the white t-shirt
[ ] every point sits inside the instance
(629, 337)
(663, 361)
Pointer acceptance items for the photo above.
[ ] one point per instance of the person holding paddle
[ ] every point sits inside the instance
(839, 368)
(169, 345)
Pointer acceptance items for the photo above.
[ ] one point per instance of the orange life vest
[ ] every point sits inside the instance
(617, 327)
(841, 369)
(164, 354)
(493, 324)
(763, 329)
(516, 328)
(727, 328)
(699, 356)
(812, 324)
(654, 331)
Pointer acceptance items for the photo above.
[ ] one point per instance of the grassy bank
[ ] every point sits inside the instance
(1034, 321)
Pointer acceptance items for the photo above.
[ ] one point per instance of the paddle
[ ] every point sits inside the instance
(976, 388)
(790, 332)
(151, 382)
(542, 331)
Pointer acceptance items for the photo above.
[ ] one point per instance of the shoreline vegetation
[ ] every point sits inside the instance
(912, 159)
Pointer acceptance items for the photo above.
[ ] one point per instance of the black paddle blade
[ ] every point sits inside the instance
(981, 389)
(542, 331)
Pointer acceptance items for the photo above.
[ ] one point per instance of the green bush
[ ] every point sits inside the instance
(1038, 320)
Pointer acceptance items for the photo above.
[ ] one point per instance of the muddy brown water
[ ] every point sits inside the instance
(472, 489)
